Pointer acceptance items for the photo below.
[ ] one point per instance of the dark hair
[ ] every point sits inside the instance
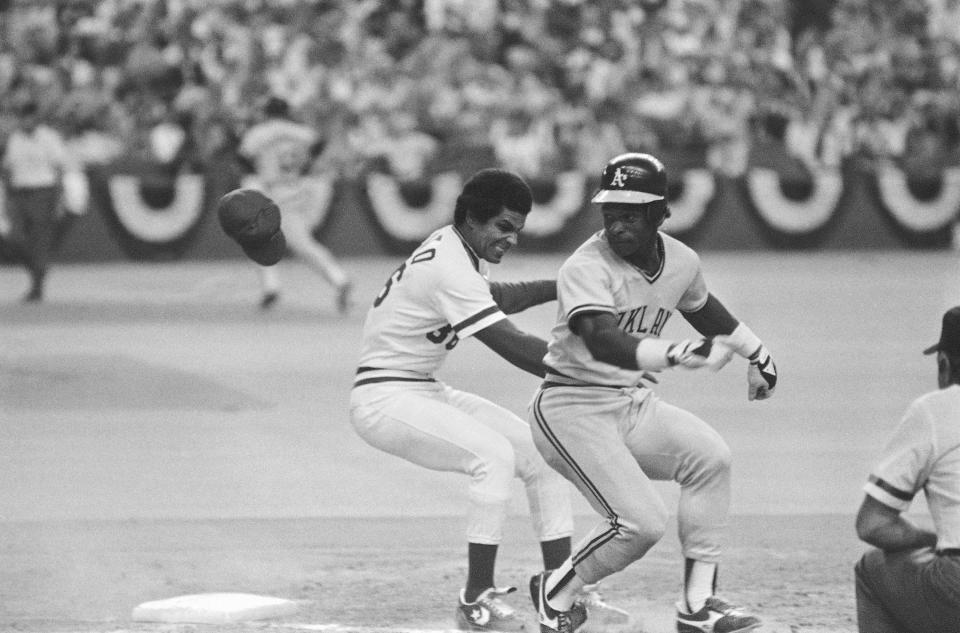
(276, 107)
(954, 360)
(488, 191)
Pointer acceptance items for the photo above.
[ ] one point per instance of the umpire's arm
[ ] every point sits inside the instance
(885, 528)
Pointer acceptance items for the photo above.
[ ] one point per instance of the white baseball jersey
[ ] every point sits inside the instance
(924, 453)
(595, 279)
(280, 149)
(439, 295)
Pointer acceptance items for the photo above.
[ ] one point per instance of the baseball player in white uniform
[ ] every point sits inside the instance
(909, 582)
(438, 296)
(281, 151)
(596, 420)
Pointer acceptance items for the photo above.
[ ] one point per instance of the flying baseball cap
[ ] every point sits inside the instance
(949, 334)
(632, 178)
(252, 219)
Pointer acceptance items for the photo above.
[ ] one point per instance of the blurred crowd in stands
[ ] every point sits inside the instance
(546, 85)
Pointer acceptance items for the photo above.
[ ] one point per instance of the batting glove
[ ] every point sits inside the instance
(712, 353)
(761, 375)
(761, 372)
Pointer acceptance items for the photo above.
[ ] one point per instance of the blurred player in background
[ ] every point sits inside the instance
(599, 424)
(34, 160)
(282, 151)
(911, 582)
(437, 297)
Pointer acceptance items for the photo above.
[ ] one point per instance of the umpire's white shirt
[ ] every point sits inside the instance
(924, 454)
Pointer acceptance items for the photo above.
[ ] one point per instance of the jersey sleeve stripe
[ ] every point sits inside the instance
(885, 498)
(892, 491)
(887, 494)
(479, 316)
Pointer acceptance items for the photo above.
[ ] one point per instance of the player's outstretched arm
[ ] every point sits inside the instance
(526, 351)
(713, 319)
(517, 296)
(609, 344)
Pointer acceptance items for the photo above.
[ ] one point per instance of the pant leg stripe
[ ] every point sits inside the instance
(594, 545)
(567, 577)
(542, 424)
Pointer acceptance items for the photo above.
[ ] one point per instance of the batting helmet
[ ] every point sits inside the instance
(253, 220)
(632, 178)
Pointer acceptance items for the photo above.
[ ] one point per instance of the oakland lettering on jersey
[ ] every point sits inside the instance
(637, 321)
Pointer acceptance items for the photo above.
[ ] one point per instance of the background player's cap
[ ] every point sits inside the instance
(632, 178)
(949, 334)
(253, 220)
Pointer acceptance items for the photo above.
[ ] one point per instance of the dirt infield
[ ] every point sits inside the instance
(161, 436)
(387, 572)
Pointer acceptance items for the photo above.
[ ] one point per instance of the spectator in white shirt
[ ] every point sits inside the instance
(33, 163)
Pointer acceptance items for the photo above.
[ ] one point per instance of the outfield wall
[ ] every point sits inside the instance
(137, 210)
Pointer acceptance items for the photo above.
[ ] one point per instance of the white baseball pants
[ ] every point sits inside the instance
(441, 428)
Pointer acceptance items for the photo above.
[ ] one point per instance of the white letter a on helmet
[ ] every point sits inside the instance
(619, 178)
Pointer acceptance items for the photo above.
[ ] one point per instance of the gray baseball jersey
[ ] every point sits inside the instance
(595, 279)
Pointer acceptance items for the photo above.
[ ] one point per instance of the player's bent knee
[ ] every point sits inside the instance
(646, 529)
(493, 472)
(502, 467)
(708, 466)
(722, 459)
(651, 533)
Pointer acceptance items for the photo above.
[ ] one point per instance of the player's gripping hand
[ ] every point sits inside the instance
(712, 353)
(761, 375)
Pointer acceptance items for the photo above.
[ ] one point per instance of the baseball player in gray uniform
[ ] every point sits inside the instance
(596, 420)
(438, 296)
(910, 581)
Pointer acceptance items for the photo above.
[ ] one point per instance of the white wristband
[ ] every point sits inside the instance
(744, 341)
(652, 354)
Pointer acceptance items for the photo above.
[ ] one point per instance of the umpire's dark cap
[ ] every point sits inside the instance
(949, 334)
(253, 221)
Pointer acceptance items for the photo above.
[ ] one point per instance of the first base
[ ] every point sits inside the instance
(214, 608)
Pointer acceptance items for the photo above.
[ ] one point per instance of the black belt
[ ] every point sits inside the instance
(549, 383)
(573, 382)
(366, 381)
(950, 551)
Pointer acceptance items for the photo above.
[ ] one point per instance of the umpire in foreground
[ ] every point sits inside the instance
(911, 581)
